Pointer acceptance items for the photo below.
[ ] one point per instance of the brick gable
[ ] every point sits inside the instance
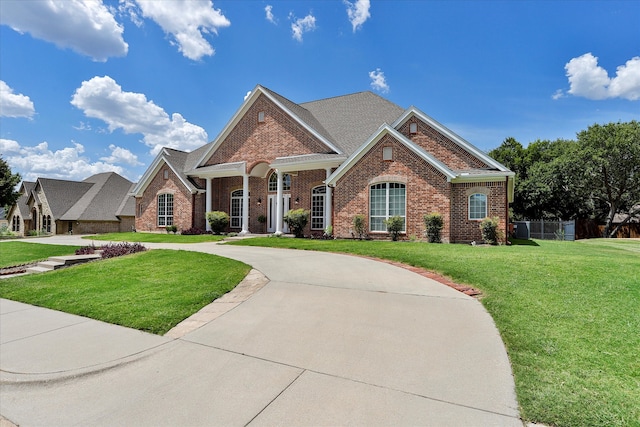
(441, 147)
(427, 190)
(279, 135)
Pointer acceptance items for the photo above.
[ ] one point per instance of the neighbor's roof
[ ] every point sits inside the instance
(107, 194)
(26, 188)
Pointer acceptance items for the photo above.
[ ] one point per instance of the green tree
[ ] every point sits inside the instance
(8, 183)
(610, 158)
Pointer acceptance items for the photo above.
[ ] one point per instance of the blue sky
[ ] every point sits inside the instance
(88, 87)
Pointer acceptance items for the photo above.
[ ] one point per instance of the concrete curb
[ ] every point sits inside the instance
(252, 283)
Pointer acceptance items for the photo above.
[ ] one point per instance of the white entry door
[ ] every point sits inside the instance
(271, 217)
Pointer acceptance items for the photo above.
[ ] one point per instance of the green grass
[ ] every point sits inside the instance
(155, 238)
(17, 253)
(568, 313)
(151, 291)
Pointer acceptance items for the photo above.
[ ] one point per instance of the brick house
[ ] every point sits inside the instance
(100, 204)
(336, 157)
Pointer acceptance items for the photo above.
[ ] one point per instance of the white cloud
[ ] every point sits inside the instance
(122, 156)
(187, 22)
(14, 104)
(86, 26)
(558, 94)
(269, 14)
(102, 98)
(40, 161)
(587, 79)
(358, 12)
(378, 81)
(302, 25)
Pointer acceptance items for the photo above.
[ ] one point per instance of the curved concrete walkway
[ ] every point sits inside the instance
(329, 340)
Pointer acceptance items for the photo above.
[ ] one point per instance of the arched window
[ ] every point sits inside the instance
(236, 209)
(386, 199)
(477, 206)
(165, 209)
(16, 223)
(273, 182)
(318, 197)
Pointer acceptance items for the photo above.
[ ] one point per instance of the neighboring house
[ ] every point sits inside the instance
(99, 204)
(3, 218)
(336, 157)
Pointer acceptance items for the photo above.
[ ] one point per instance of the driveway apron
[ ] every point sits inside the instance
(330, 340)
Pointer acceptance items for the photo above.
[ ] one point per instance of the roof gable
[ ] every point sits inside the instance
(178, 161)
(61, 195)
(295, 111)
(374, 139)
(455, 138)
(102, 200)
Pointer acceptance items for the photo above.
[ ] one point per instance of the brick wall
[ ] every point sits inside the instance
(441, 147)
(182, 203)
(427, 190)
(462, 228)
(279, 135)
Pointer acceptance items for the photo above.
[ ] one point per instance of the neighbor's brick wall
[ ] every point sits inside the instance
(441, 147)
(278, 136)
(427, 190)
(182, 203)
(466, 230)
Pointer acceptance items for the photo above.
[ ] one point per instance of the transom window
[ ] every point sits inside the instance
(477, 206)
(165, 209)
(318, 196)
(273, 182)
(236, 209)
(386, 199)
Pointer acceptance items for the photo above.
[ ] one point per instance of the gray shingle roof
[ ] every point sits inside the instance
(101, 200)
(26, 188)
(61, 194)
(352, 119)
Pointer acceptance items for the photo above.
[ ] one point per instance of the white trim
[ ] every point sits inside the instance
(216, 171)
(240, 113)
(153, 170)
(374, 139)
(439, 127)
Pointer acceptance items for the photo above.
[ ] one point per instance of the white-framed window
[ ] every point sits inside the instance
(165, 209)
(477, 206)
(413, 128)
(273, 182)
(236, 209)
(318, 197)
(386, 199)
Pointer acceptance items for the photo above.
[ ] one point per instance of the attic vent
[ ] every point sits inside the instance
(387, 153)
(413, 128)
(261, 117)
(166, 174)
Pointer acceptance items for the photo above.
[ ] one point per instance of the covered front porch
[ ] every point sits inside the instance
(257, 196)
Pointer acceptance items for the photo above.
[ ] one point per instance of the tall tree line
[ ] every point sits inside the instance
(595, 176)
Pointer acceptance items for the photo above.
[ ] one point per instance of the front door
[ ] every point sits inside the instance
(271, 217)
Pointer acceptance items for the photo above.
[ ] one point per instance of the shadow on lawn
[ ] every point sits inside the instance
(523, 242)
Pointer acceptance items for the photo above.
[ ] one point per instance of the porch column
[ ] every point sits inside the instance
(328, 203)
(245, 204)
(279, 206)
(207, 198)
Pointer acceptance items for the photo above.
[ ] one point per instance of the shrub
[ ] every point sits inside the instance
(86, 250)
(359, 226)
(113, 250)
(218, 220)
(434, 223)
(297, 219)
(171, 229)
(490, 232)
(192, 231)
(394, 224)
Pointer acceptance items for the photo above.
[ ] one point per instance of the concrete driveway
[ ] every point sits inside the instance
(330, 340)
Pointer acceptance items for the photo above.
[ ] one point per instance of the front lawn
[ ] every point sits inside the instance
(151, 291)
(155, 237)
(17, 253)
(568, 313)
